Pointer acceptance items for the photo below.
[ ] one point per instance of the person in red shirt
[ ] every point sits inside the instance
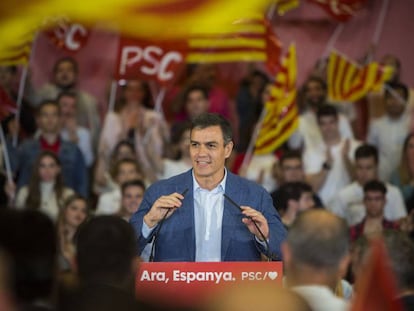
(374, 222)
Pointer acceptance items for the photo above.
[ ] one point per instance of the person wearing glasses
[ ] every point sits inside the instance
(208, 213)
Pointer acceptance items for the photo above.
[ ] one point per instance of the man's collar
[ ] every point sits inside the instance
(220, 186)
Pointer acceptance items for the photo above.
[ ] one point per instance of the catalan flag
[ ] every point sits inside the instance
(164, 19)
(286, 5)
(341, 10)
(249, 39)
(17, 53)
(281, 118)
(348, 82)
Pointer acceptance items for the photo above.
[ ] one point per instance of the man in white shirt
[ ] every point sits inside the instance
(315, 260)
(213, 215)
(349, 204)
(308, 132)
(328, 163)
(65, 78)
(388, 132)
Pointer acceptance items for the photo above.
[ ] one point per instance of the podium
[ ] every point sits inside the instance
(187, 284)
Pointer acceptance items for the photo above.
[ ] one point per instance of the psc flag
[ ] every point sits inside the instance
(281, 112)
(246, 39)
(341, 10)
(348, 82)
(376, 285)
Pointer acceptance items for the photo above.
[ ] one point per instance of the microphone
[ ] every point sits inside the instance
(270, 256)
(158, 229)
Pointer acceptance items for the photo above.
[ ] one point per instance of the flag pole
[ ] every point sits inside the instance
(9, 173)
(380, 26)
(332, 40)
(250, 149)
(22, 86)
(158, 100)
(112, 96)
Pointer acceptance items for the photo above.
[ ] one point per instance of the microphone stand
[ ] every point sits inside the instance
(157, 232)
(269, 255)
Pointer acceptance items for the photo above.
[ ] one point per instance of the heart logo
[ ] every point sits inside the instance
(272, 275)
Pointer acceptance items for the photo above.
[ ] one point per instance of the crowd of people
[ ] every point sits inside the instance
(86, 197)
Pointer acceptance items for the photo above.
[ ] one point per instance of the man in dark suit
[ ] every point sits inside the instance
(213, 215)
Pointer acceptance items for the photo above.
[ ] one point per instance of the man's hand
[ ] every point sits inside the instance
(161, 206)
(261, 221)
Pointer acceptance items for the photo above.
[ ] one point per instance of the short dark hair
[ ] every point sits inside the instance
(195, 87)
(316, 79)
(396, 86)
(66, 94)
(291, 191)
(67, 59)
(366, 151)
(132, 183)
(375, 185)
(213, 119)
(114, 171)
(290, 154)
(106, 247)
(401, 252)
(318, 239)
(327, 110)
(45, 103)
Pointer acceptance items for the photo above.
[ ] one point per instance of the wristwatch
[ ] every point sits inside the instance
(326, 166)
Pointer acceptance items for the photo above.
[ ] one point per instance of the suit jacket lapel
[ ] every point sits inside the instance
(231, 214)
(188, 213)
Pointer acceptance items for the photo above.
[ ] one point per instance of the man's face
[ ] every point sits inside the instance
(132, 198)
(365, 170)
(67, 106)
(315, 94)
(292, 170)
(196, 104)
(48, 119)
(134, 92)
(65, 75)
(391, 61)
(208, 153)
(127, 172)
(374, 202)
(306, 201)
(394, 106)
(329, 127)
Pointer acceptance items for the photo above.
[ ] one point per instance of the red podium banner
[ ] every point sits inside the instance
(188, 283)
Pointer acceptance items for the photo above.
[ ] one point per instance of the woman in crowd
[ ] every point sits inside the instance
(404, 176)
(124, 170)
(135, 120)
(71, 216)
(103, 180)
(46, 190)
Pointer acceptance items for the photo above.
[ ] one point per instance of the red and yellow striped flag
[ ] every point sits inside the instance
(250, 39)
(281, 118)
(18, 53)
(348, 82)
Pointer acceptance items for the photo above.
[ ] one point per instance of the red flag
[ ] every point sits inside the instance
(377, 289)
(68, 36)
(160, 61)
